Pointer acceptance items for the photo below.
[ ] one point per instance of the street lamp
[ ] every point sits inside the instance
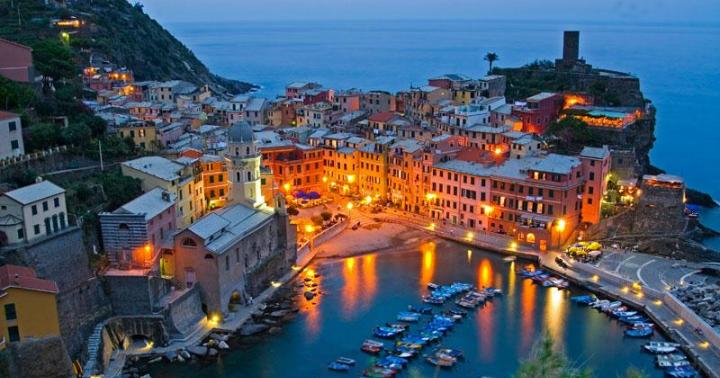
(349, 207)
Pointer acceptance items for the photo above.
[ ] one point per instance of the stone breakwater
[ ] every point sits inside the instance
(704, 300)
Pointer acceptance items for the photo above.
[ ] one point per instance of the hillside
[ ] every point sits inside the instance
(116, 29)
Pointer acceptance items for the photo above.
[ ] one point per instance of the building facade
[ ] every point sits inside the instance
(32, 212)
(11, 138)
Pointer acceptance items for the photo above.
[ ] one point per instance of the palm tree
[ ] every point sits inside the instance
(491, 58)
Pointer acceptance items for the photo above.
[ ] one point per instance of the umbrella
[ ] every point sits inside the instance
(313, 195)
(594, 246)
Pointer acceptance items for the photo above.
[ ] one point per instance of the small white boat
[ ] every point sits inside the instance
(661, 347)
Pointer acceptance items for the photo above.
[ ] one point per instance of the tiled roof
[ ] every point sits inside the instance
(24, 278)
(157, 166)
(151, 204)
(7, 115)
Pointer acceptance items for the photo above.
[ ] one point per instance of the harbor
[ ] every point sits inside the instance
(363, 292)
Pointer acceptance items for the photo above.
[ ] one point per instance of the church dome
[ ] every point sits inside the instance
(241, 132)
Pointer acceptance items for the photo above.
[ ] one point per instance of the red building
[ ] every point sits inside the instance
(539, 111)
(16, 61)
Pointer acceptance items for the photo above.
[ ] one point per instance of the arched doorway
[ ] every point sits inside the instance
(530, 238)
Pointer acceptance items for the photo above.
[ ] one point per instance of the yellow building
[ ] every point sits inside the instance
(143, 133)
(28, 306)
(373, 169)
(182, 177)
(341, 170)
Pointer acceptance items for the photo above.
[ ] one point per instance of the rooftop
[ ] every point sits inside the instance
(595, 152)
(151, 203)
(157, 166)
(515, 168)
(35, 192)
(225, 227)
(7, 115)
(541, 96)
(15, 276)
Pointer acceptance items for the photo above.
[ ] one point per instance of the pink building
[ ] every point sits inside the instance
(16, 61)
(536, 199)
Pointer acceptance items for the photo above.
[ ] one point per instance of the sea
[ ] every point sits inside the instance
(678, 64)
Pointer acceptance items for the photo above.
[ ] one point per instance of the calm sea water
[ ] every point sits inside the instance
(679, 66)
(366, 291)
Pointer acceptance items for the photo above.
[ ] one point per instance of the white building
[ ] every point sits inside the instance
(243, 161)
(11, 139)
(32, 212)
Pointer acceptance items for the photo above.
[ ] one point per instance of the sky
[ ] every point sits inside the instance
(644, 11)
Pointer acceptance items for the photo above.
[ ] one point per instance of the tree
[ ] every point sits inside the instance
(119, 189)
(77, 134)
(14, 95)
(491, 58)
(326, 215)
(54, 59)
(41, 136)
(546, 361)
(573, 133)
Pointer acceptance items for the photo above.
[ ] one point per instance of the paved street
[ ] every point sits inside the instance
(652, 271)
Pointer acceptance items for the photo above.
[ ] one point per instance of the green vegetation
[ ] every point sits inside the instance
(546, 361)
(570, 134)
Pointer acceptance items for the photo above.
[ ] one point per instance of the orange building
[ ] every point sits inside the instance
(214, 176)
(295, 167)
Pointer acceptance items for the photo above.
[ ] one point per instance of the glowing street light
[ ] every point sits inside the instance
(368, 199)
(469, 236)
(560, 226)
(324, 179)
(349, 206)
(309, 228)
(286, 186)
(351, 178)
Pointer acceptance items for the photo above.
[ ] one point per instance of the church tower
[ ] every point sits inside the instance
(243, 162)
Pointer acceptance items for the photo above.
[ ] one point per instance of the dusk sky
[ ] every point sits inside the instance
(645, 11)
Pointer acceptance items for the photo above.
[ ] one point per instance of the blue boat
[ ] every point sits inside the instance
(639, 332)
(387, 332)
(426, 310)
(681, 372)
(336, 366)
(584, 299)
(388, 363)
(409, 317)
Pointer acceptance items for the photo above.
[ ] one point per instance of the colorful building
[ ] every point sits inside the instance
(32, 212)
(28, 306)
(16, 62)
(539, 111)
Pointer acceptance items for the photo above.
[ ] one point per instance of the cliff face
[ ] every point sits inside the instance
(115, 29)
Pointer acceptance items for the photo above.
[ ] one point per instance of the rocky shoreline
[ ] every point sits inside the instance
(268, 320)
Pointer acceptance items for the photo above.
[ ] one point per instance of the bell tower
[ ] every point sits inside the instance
(243, 162)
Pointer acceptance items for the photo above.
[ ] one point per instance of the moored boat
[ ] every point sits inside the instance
(658, 347)
(336, 366)
(642, 332)
(681, 372)
(345, 360)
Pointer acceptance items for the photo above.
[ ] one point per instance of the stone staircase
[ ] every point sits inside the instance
(93, 346)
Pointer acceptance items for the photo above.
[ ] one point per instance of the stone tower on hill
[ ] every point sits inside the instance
(571, 54)
(244, 161)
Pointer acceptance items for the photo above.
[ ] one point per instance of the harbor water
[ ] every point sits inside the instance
(365, 291)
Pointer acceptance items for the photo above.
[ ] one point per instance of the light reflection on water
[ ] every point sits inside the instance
(362, 292)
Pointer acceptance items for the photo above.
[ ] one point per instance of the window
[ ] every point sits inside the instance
(36, 228)
(45, 206)
(56, 202)
(14, 333)
(592, 176)
(10, 312)
(12, 126)
(227, 262)
(34, 209)
(189, 242)
(14, 144)
(20, 233)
